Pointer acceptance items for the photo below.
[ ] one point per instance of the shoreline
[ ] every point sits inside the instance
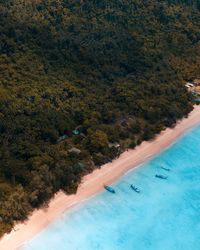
(93, 183)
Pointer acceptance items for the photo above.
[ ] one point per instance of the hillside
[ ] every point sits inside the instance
(80, 82)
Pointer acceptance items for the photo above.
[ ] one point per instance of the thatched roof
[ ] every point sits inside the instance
(75, 150)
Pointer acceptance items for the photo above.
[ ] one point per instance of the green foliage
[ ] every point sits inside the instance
(115, 70)
(15, 207)
(97, 140)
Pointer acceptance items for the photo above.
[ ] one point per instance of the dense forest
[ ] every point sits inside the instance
(81, 81)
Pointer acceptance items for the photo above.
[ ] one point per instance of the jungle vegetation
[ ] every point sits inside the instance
(81, 81)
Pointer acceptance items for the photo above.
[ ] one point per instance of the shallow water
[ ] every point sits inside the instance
(164, 216)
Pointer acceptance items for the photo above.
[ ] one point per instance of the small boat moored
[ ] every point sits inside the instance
(161, 176)
(135, 188)
(166, 169)
(109, 189)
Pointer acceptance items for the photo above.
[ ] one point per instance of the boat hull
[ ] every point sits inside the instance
(110, 189)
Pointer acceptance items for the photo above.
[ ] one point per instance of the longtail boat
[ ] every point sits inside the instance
(135, 188)
(166, 169)
(161, 176)
(110, 189)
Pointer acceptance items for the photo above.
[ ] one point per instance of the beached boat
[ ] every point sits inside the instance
(110, 189)
(166, 169)
(161, 176)
(135, 188)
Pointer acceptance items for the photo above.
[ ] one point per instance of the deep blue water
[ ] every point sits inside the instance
(164, 216)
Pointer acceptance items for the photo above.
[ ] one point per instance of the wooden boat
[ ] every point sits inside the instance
(135, 189)
(161, 176)
(166, 169)
(110, 189)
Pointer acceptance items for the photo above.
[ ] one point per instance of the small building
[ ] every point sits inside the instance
(83, 135)
(196, 82)
(115, 145)
(187, 85)
(74, 150)
(61, 138)
(76, 132)
(81, 165)
(197, 101)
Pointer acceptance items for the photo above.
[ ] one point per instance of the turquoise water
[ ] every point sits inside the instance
(164, 216)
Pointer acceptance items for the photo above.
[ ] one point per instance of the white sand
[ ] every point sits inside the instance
(94, 182)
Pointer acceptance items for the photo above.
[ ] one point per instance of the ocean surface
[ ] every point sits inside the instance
(164, 216)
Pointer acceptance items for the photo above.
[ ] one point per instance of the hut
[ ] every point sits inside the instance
(196, 82)
(189, 85)
(115, 145)
(81, 165)
(76, 132)
(74, 150)
(197, 101)
(61, 138)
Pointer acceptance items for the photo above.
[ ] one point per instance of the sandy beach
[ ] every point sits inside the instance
(94, 182)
